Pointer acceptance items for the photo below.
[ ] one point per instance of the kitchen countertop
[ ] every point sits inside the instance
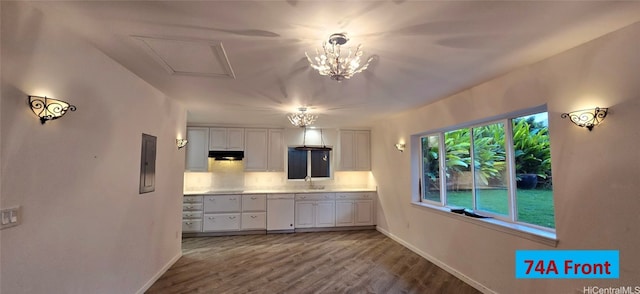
(273, 191)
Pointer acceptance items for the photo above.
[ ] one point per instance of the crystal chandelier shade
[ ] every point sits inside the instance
(337, 62)
(302, 118)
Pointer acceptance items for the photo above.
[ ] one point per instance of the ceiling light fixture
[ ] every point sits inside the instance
(302, 118)
(336, 63)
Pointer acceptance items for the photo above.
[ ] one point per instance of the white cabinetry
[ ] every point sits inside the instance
(226, 139)
(264, 150)
(276, 150)
(222, 213)
(315, 210)
(355, 209)
(254, 207)
(197, 151)
(355, 150)
(191, 214)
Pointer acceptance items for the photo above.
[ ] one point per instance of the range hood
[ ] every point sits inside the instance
(226, 155)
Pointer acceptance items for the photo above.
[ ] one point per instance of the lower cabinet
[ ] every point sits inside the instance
(254, 221)
(315, 210)
(235, 212)
(355, 209)
(192, 214)
(221, 222)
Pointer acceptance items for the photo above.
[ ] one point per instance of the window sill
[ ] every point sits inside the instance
(522, 231)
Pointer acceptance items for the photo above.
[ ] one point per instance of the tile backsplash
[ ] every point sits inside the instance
(230, 175)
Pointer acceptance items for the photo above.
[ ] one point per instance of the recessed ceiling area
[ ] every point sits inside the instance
(424, 50)
(205, 58)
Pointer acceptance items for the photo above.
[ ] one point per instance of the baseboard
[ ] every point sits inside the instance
(473, 283)
(159, 273)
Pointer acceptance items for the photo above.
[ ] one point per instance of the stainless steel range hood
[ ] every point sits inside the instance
(226, 155)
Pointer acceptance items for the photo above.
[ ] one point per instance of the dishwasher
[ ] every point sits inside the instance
(280, 213)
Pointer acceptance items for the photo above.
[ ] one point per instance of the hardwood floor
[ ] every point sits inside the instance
(320, 262)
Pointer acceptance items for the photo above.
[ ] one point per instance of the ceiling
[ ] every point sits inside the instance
(423, 50)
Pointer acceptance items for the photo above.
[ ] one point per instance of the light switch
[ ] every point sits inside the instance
(9, 217)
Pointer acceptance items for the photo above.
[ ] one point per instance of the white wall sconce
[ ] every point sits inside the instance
(181, 143)
(587, 118)
(400, 147)
(49, 108)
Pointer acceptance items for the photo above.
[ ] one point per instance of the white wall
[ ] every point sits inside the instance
(85, 227)
(595, 173)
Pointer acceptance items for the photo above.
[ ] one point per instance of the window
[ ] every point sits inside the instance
(500, 169)
(308, 163)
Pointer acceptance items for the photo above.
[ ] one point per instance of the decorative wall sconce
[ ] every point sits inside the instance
(49, 108)
(400, 147)
(181, 143)
(587, 118)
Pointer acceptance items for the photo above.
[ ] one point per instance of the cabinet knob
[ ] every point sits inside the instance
(232, 198)
(189, 223)
(211, 217)
(232, 217)
(212, 199)
(254, 198)
(253, 216)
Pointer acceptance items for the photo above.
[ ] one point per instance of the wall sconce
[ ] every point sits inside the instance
(181, 143)
(400, 147)
(49, 108)
(587, 118)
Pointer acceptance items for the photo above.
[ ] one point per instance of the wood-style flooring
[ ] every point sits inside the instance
(320, 262)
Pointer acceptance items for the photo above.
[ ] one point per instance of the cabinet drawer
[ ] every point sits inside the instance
(192, 207)
(192, 215)
(254, 202)
(222, 203)
(192, 199)
(354, 195)
(316, 196)
(191, 226)
(221, 222)
(253, 221)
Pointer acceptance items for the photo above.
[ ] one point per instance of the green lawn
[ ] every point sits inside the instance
(534, 206)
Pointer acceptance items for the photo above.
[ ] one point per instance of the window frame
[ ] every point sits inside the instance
(309, 166)
(510, 219)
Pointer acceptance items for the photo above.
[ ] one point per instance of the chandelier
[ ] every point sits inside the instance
(302, 118)
(335, 62)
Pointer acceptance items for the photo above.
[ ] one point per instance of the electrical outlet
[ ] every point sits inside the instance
(10, 217)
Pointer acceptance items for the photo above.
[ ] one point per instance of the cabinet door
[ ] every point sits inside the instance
(325, 214)
(191, 226)
(305, 214)
(221, 222)
(275, 157)
(254, 202)
(197, 149)
(363, 212)
(344, 213)
(235, 139)
(222, 203)
(255, 153)
(254, 221)
(217, 139)
(347, 149)
(363, 150)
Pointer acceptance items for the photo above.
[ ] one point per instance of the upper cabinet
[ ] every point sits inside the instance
(264, 150)
(197, 149)
(355, 150)
(226, 139)
(276, 150)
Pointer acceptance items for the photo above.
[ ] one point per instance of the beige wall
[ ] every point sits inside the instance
(85, 228)
(595, 173)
